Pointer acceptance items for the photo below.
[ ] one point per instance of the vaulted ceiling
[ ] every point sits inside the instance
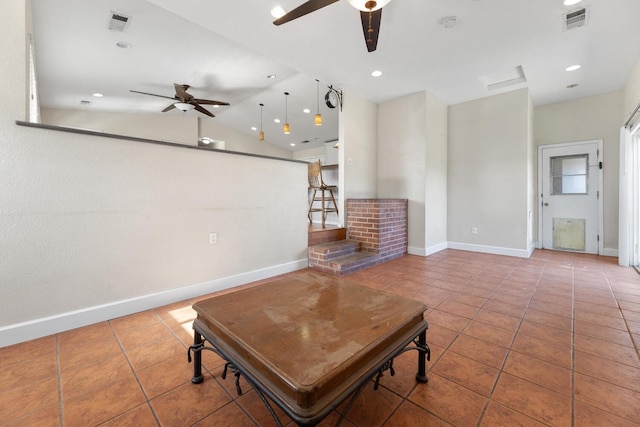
(225, 49)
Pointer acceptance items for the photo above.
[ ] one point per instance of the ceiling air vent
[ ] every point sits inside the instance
(575, 19)
(118, 22)
(85, 102)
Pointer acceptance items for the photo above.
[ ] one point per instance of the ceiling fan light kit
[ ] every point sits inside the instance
(185, 101)
(368, 5)
(183, 106)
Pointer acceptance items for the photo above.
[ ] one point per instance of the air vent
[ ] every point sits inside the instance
(504, 78)
(577, 18)
(118, 22)
(85, 102)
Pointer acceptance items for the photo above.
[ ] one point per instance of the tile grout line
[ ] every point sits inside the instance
(506, 357)
(135, 375)
(59, 372)
(573, 339)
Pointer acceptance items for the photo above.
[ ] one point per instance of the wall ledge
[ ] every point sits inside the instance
(147, 141)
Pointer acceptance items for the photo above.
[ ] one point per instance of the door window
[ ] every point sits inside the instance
(569, 174)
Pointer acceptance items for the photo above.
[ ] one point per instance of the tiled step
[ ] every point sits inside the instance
(346, 264)
(325, 235)
(330, 250)
(341, 257)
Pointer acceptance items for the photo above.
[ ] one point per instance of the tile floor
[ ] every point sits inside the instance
(551, 340)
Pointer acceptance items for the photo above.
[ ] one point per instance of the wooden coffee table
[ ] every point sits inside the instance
(309, 341)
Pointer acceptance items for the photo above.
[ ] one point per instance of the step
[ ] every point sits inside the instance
(346, 264)
(318, 236)
(330, 250)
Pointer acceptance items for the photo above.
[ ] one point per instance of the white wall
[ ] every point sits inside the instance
(358, 153)
(93, 227)
(412, 164)
(241, 142)
(589, 118)
(170, 127)
(181, 129)
(487, 175)
(632, 94)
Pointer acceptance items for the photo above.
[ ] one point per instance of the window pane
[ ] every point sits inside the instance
(569, 175)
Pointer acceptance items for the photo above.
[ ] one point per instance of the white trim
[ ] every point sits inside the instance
(37, 328)
(610, 252)
(495, 250)
(427, 251)
(599, 143)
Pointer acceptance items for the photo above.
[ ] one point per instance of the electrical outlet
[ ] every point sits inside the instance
(213, 238)
(474, 230)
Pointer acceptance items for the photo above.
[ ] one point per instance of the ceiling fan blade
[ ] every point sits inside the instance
(152, 94)
(202, 110)
(210, 102)
(181, 92)
(303, 9)
(371, 28)
(169, 108)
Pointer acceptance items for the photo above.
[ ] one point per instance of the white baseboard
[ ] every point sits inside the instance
(494, 250)
(427, 251)
(610, 252)
(37, 328)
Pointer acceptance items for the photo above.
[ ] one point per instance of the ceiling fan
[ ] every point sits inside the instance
(370, 14)
(185, 101)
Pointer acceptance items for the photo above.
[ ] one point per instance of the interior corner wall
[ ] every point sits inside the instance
(412, 153)
(358, 152)
(532, 161)
(487, 174)
(589, 118)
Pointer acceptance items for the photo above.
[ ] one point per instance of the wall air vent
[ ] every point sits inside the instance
(575, 19)
(118, 22)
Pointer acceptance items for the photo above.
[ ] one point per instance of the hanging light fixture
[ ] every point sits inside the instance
(261, 134)
(318, 118)
(286, 128)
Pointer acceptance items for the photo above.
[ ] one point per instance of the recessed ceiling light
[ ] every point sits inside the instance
(292, 144)
(573, 67)
(98, 95)
(124, 45)
(571, 2)
(271, 76)
(278, 12)
(254, 128)
(573, 85)
(276, 120)
(376, 73)
(215, 106)
(306, 111)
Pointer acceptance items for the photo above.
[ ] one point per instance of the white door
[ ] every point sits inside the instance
(569, 197)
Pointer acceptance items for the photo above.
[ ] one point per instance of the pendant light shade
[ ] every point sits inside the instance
(286, 128)
(318, 118)
(368, 5)
(261, 134)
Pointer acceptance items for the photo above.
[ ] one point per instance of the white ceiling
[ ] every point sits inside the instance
(225, 49)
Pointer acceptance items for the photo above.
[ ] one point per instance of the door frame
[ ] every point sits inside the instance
(600, 188)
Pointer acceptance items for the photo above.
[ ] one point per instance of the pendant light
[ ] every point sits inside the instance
(286, 129)
(261, 134)
(318, 118)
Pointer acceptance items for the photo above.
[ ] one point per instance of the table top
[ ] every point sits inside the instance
(309, 337)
